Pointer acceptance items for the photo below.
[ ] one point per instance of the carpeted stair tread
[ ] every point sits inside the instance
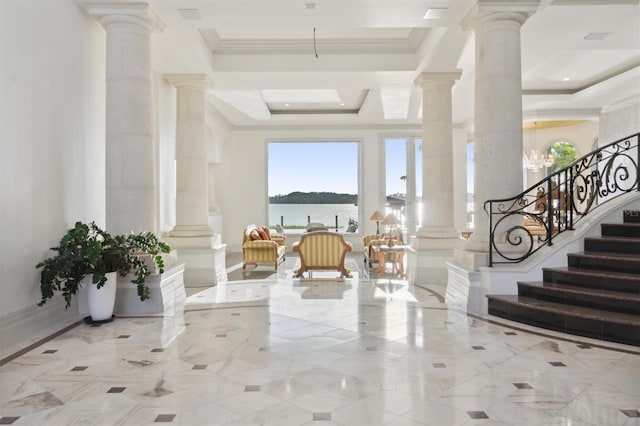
(569, 310)
(614, 238)
(632, 224)
(594, 273)
(624, 230)
(631, 216)
(609, 255)
(621, 295)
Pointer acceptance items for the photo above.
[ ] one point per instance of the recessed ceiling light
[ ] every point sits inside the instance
(286, 104)
(435, 13)
(597, 36)
(341, 103)
(566, 79)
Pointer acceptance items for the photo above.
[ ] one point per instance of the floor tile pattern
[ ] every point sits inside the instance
(322, 351)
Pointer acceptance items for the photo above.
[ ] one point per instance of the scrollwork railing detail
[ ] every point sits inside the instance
(521, 225)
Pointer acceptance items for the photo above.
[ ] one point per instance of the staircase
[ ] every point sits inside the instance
(597, 295)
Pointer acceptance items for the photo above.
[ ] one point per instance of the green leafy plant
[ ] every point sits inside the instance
(88, 250)
(563, 155)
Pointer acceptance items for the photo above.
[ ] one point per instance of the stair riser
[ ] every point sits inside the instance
(596, 244)
(614, 265)
(620, 230)
(593, 328)
(606, 283)
(586, 300)
(631, 216)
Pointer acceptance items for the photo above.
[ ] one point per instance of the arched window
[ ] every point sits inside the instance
(563, 153)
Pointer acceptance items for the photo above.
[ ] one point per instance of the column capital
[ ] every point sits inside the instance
(189, 80)
(430, 78)
(127, 12)
(484, 11)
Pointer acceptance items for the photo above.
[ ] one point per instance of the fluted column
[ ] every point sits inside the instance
(130, 158)
(192, 193)
(437, 155)
(498, 106)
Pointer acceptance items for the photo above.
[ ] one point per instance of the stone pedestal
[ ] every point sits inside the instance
(204, 259)
(167, 295)
(428, 266)
(431, 256)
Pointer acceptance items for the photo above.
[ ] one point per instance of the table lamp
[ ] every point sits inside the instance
(390, 221)
(377, 216)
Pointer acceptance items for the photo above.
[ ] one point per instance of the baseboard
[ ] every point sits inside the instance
(22, 328)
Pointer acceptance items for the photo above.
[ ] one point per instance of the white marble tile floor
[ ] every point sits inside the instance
(321, 351)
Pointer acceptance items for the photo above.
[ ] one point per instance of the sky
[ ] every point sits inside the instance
(333, 167)
(313, 167)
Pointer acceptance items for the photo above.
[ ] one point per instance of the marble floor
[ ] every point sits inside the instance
(322, 351)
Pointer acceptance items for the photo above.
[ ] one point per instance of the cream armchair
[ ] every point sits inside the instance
(322, 250)
(256, 251)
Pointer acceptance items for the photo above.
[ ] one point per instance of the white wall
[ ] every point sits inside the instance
(52, 161)
(618, 123)
(242, 177)
(582, 136)
(217, 134)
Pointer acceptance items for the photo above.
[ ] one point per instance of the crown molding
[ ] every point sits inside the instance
(221, 46)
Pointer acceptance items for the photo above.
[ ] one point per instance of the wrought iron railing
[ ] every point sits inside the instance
(521, 225)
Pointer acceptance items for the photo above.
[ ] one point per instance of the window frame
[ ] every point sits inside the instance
(358, 141)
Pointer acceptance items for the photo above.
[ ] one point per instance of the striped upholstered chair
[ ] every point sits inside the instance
(322, 251)
(256, 251)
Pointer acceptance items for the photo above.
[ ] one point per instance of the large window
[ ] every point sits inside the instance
(403, 180)
(313, 183)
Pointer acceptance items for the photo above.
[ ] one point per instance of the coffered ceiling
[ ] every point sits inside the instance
(336, 62)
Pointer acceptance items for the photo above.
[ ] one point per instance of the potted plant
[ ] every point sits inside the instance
(89, 255)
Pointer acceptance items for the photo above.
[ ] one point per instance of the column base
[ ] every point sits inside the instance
(202, 242)
(421, 242)
(500, 248)
(476, 244)
(205, 267)
(182, 231)
(428, 257)
(204, 259)
(435, 232)
(470, 259)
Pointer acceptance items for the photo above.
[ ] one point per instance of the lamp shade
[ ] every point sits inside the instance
(377, 216)
(390, 219)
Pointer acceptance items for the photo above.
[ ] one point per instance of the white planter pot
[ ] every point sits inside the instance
(101, 300)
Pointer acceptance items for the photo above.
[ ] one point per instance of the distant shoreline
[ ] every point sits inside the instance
(314, 198)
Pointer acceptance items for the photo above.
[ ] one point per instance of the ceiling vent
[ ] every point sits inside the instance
(190, 14)
(596, 36)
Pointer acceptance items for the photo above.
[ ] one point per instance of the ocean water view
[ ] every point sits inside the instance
(299, 215)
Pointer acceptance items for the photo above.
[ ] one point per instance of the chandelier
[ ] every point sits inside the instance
(536, 160)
